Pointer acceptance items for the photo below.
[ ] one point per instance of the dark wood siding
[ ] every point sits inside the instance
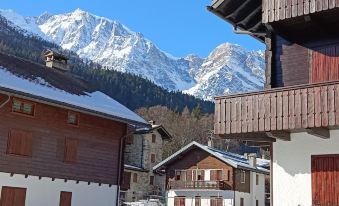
(13, 196)
(97, 151)
(291, 63)
(239, 185)
(325, 180)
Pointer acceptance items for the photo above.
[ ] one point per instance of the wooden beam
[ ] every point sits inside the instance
(254, 137)
(282, 135)
(321, 132)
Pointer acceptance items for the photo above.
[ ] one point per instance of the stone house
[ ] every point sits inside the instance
(143, 151)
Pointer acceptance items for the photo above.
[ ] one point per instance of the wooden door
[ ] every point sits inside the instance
(13, 196)
(325, 180)
(179, 201)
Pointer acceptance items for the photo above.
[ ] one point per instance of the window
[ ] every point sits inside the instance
(65, 198)
(73, 118)
(126, 181)
(243, 177)
(257, 203)
(200, 174)
(151, 180)
(20, 143)
(71, 150)
(257, 179)
(197, 201)
(13, 196)
(135, 177)
(242, 202)
(129, 139)
(154, 137)
(179, 201)
(216, 201)
(23, 107)
(152, 158)
(177, 175)
(228, 175)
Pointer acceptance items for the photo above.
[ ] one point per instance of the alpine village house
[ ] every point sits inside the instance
(61, 140)
(298, 112)
(199, 175)
(143, 151)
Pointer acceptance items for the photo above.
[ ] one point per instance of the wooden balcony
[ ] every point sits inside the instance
(212, 185)
(303, 108)
(276, 10)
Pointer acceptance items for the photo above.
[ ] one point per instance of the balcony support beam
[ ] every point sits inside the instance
(321, 132)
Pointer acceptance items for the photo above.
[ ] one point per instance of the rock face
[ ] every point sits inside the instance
(228, 69)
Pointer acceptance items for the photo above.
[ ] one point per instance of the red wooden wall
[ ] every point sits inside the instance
(325, 64)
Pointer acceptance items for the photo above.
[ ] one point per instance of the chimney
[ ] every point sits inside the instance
(210, 142)
(152, 122)
(252, 158)
(56, 61)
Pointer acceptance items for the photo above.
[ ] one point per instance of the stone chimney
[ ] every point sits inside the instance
(252, 158)
(56, 61)
(152, 122)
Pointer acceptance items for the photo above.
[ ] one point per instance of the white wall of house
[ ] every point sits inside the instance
(292, 183)
(228, 197)
(44, 191)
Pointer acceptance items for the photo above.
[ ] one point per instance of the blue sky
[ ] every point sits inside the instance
(179, 27)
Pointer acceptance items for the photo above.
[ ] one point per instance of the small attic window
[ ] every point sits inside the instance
(23, 107)
(73, 118)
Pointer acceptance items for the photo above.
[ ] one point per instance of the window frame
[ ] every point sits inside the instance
(151, 180)
(154, 138)
(76, 124)
(257, 179)
(243, 177)
(22, 104)
(153, 158)
(135, 178)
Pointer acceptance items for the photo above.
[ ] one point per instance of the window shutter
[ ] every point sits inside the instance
(20, 143)
(11, 196)
(189, 175)
(71, 150)
(65, 198)
(213, 175)
(126, 181)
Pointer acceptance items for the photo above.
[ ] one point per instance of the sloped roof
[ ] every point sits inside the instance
(234, 160)
(160, 128)
(37, 82)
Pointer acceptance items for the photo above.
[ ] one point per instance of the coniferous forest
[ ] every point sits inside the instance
(130, 90)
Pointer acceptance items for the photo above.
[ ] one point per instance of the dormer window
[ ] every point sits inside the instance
(73, 118)
(23, 107)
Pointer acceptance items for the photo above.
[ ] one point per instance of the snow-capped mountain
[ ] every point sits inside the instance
(228, 69)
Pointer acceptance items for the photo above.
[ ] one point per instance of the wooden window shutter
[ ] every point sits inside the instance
(154, 137)
(219, 175)
(241, 201)
(71, 150)
(189, 176)
(20, 143)
(126, 181)
(65, 198)
(12, 196)
(197, 201)
(152, 158)
(151, 180)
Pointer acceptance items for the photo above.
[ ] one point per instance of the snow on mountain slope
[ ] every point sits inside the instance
(228, 69)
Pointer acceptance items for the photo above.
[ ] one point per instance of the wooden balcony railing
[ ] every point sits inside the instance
(285, 109)
(214, 185)
(275, 10)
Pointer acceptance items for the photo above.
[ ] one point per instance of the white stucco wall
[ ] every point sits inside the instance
(204, 194)
(44, 191)
(292, 184)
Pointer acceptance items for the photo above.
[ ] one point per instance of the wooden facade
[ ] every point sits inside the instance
(198, 160)
(277, 10)
(54, 148)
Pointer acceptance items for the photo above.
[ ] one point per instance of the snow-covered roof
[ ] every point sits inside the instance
(50, 86)
(234, 160)
(160, 128)
(135, 168)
